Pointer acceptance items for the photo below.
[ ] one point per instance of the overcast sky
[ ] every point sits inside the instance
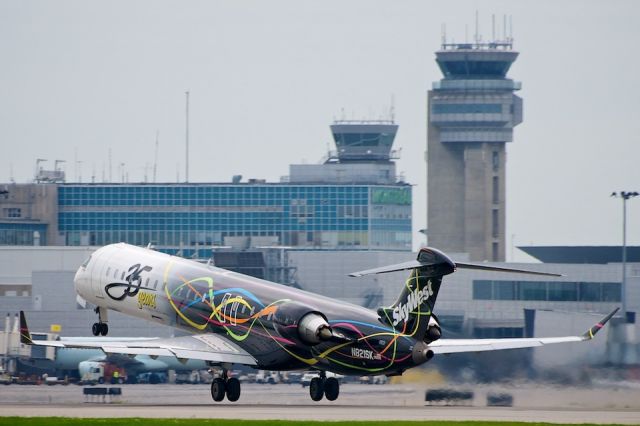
(267, 78)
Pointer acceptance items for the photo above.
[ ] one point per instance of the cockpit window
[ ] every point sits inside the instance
(86, 262)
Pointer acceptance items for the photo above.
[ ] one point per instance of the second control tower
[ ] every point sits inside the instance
(471, 115)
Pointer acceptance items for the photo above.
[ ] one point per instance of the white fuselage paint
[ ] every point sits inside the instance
(112, 265)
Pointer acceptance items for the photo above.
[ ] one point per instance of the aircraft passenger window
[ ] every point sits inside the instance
(146, 283)
(122, 276)
(115, 274)
(155, 285)
(108, 270)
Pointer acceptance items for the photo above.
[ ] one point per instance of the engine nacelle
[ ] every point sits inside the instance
(314, 328)
(302, 323)
(421, 353)
(434, 332)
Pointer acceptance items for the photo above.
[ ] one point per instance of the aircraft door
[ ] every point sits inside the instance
(99, 271)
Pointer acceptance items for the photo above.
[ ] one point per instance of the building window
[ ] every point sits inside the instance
(467, 108)
(497, 332)
(496, 190)
(505, 290)
(561, 292)
(12, 212)
(494, 224)
(533, 291)
(482, 290)
(496, 160)
(547, 291)
(589, 292)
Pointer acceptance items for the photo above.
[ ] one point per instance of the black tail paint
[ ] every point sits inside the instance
(411, 312)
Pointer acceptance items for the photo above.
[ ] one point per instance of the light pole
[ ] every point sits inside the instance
(625, 195)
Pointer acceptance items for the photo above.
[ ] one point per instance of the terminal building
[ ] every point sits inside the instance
(353, 201)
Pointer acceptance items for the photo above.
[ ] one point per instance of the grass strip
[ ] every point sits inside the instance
(70, 421)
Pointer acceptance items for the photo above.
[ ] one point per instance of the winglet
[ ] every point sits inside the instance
(25, 336)
(590, 333)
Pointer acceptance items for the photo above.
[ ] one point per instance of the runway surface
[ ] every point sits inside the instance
(356, 402)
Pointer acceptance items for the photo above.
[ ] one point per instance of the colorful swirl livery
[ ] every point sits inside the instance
(237, 319)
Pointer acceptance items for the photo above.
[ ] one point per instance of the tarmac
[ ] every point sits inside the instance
(356, 402)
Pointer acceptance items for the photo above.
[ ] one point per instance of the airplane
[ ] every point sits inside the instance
(237, 319)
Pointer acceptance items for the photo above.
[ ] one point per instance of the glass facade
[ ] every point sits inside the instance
(474, 68)
(314, 216)
(467, 108)
(22, 234)
(547, 291)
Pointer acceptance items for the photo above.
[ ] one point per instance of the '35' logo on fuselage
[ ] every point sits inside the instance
(132, 285)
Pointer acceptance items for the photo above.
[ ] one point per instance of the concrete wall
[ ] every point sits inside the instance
(37, 202)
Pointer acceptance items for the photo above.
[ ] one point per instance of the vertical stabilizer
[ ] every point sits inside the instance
(412, 310)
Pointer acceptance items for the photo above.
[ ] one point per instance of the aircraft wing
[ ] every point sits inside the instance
(448, 346)
(206, 347)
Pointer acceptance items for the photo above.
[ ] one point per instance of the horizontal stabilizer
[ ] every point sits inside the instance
(391, 268)
(482, 267)
(432, 261)
(437, 261)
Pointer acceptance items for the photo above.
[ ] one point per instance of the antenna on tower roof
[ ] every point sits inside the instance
(493, 28)
(392, 110)
(477, 35)
(155, 157)
(504, 27)
(444, 33)
(510, 28)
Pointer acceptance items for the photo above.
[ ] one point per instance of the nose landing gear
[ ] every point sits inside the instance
(100, 328)
(323, 386)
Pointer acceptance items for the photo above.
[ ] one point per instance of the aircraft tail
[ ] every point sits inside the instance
(412, 311)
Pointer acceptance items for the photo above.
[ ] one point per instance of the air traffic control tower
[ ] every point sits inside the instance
(471, 115)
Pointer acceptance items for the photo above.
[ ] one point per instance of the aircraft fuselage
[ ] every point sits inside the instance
(261, 317)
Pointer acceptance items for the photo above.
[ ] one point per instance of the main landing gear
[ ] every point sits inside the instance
(224, 385)
(100, 328)
(323, 386)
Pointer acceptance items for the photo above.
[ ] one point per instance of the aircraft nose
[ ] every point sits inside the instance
(78, 278)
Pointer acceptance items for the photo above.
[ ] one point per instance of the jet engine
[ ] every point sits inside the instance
(434, 332)
(302, 323)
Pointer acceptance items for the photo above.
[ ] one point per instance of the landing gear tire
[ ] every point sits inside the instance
(218, 389)
(100, 329)
(331, 388)
(233, 389)
(316, 388)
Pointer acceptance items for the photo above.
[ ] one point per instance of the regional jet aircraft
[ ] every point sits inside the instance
(237, 319)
